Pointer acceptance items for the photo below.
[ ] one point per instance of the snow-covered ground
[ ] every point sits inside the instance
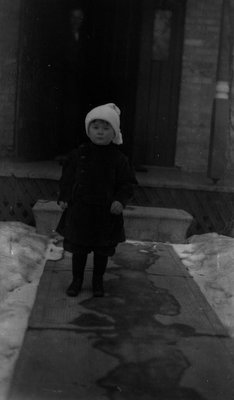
(23, 254)
(209, 258)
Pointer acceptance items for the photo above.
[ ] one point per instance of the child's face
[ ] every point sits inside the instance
(101, 132)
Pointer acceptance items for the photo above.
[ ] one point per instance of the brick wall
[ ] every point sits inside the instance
(198, 83)
(9, 36)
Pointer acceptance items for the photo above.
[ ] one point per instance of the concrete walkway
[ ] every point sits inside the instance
(153, 336)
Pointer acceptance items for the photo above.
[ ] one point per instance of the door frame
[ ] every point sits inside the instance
(143, 80)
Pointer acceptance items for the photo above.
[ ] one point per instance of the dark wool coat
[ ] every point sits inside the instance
(93, 177)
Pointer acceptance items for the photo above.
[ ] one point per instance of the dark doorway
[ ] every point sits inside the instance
(38, 95)
(159, 81)
(113, 26)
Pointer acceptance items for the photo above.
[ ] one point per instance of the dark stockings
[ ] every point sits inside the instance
(100, 263)
(78, 267)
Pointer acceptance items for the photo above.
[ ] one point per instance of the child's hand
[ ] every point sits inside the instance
(116, 208)
(62, 204)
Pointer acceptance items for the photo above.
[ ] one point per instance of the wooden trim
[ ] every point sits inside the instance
(19, 77)
(146, 68)
(143, 81)
(219, 130)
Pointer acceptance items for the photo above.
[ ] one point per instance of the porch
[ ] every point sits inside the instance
(211, 205)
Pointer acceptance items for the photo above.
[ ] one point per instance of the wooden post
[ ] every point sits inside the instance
(221, 108)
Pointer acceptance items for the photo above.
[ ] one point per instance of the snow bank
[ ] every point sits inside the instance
(23, 254)
(209, 258)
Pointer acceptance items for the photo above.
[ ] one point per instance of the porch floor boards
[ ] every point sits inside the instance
(211, 205)
(212, 211)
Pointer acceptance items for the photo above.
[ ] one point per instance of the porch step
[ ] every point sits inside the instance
(156, 224)
(141, 223)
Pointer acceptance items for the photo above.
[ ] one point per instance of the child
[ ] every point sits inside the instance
(95, 186)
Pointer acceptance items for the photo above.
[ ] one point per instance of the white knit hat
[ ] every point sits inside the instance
(107, 112)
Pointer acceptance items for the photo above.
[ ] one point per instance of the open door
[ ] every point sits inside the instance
(38, 91)
(113, 29)
(159, 82)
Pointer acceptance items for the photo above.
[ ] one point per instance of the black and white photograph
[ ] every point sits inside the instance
(116, 199)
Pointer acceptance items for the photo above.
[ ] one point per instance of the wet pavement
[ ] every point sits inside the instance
(153, 335)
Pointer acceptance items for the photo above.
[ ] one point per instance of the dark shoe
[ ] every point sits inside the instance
(74, 288)
(98, 290)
